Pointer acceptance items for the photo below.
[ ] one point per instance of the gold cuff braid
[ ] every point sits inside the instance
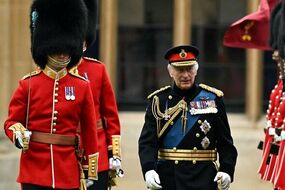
(116, 146)
(93, 166)
(17, 127)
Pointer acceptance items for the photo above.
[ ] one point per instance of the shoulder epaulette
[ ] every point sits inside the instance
(92, 59)
(212, 89)
(157, 91)
(74, 72)
(36, 72)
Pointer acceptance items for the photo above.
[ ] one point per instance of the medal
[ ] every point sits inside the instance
(72, 92)
(67, 93)
(85, 76)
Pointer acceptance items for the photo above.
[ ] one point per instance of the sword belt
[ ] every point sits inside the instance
(187, 155)
(57, 139)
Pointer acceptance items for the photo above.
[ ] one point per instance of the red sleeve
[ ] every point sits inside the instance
(109, 108)
(17, 108)
(88, 125)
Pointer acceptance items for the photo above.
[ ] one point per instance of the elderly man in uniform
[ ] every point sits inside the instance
(108, 124)
(186, 129)
(50, 103)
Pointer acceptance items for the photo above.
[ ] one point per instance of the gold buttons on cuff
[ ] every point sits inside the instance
(174, 149)
(199, 121)
(195, 148)
(171, 123)
(194, 161)
(169, 97)
(197, 135)
(176, 162)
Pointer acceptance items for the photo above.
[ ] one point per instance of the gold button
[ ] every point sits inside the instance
(199, 121)
(171, 123)
(56, 94)
(174, 148)
(54, 124)
(176, 162)
(54, 129)
(54, 118)
(197, 135)
(169, 97)
(56, 89)
(195, 148)
(194, 161)
(55, 112)
(55, 100)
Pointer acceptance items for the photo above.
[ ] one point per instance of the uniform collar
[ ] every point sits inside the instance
(53, 74)
(184, 92)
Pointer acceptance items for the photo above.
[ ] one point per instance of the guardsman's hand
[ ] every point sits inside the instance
(89, 182)
(152, 180)
(115, 163)
(23, 139)
(224, 180)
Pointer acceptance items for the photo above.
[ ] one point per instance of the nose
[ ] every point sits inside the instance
(185, 72)
(62, 55)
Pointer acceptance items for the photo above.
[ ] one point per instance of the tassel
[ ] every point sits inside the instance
(82, 181)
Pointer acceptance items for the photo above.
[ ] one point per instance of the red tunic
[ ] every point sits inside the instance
(265, 170)
(105, 106)
(50, 112)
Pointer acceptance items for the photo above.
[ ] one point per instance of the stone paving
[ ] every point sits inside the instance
(246, 137)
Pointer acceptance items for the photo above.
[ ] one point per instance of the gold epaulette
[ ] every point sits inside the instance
(74, 72)
(157, 91)
(219, 93)
(92, 59)
(36, 72)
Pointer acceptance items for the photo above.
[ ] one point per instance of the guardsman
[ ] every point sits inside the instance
(273, 116)
(272, 165)
(279, 138)
(186, 129)
(50, 103)
(107, 117)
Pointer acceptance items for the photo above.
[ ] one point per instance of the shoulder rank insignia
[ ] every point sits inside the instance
(36, 72)
(219, 93)
(92, 59)
(157, 91)
(74, 72)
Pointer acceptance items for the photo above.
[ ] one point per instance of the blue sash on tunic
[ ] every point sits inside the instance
(175, 134)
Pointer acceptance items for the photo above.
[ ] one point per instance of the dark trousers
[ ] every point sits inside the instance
(102, 182)
(28, 186)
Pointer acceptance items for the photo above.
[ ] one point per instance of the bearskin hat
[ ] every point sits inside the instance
(57, 26)
(274, 26)
(92, 7)
(281, 35)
